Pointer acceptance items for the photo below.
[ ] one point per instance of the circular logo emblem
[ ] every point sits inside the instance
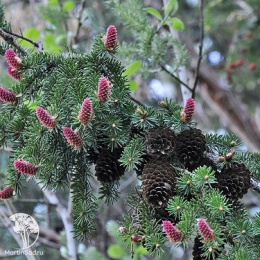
(25, 225)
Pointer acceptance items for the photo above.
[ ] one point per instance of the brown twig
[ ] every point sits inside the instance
(200, 47)
(84, 2)
(176, 78)
(10, 39)
(37, 45)
(136, 101)
(63, 19)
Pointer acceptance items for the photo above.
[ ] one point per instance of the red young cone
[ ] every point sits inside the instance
(173, 234)
(13, 73)
(72, 138)
(103, 89)
(206, 232)
(6, 193)
(111, 38)
(188, 111)
(85, 112)
(252, 66)
(7, 96)
(12, 59)
(25, 167)
(46, 119)
(239, 62)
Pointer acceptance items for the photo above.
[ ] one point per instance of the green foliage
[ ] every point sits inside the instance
(120, 249)
(60, 81)
(256, 224)
(149, 45)
(188, 218)
(170, 8)
(84, 203)
(132, 68)
(131, 156)
(153, 12)
(184, 183)
(222, 143)
(70, 79)
(175, 23)
(203, 176)
(176, 206)
(217, 205)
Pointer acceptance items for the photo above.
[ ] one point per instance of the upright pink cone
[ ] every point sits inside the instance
(173, 234)
(111, 38)
(6, 193)
(206, 232)
(103, 89)
(7, 96)
(46, 119)
(85, 113)
(12, 59)
(25, 167)
(73, 138)
(188, 110)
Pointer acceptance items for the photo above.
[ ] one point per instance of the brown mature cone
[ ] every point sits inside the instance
(197, 250)
(107, 166)
(158, 183)
(234, 180)
(191, 145)
(205, 161)
(160, 142)
(162, 214)
(139, 169)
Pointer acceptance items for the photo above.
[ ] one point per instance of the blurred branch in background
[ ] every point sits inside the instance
(64, 213)
(201, 24)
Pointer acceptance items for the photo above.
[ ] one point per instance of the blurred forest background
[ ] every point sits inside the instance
(227, 96)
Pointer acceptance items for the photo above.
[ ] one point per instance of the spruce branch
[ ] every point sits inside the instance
(201, 6)
(11, 40)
